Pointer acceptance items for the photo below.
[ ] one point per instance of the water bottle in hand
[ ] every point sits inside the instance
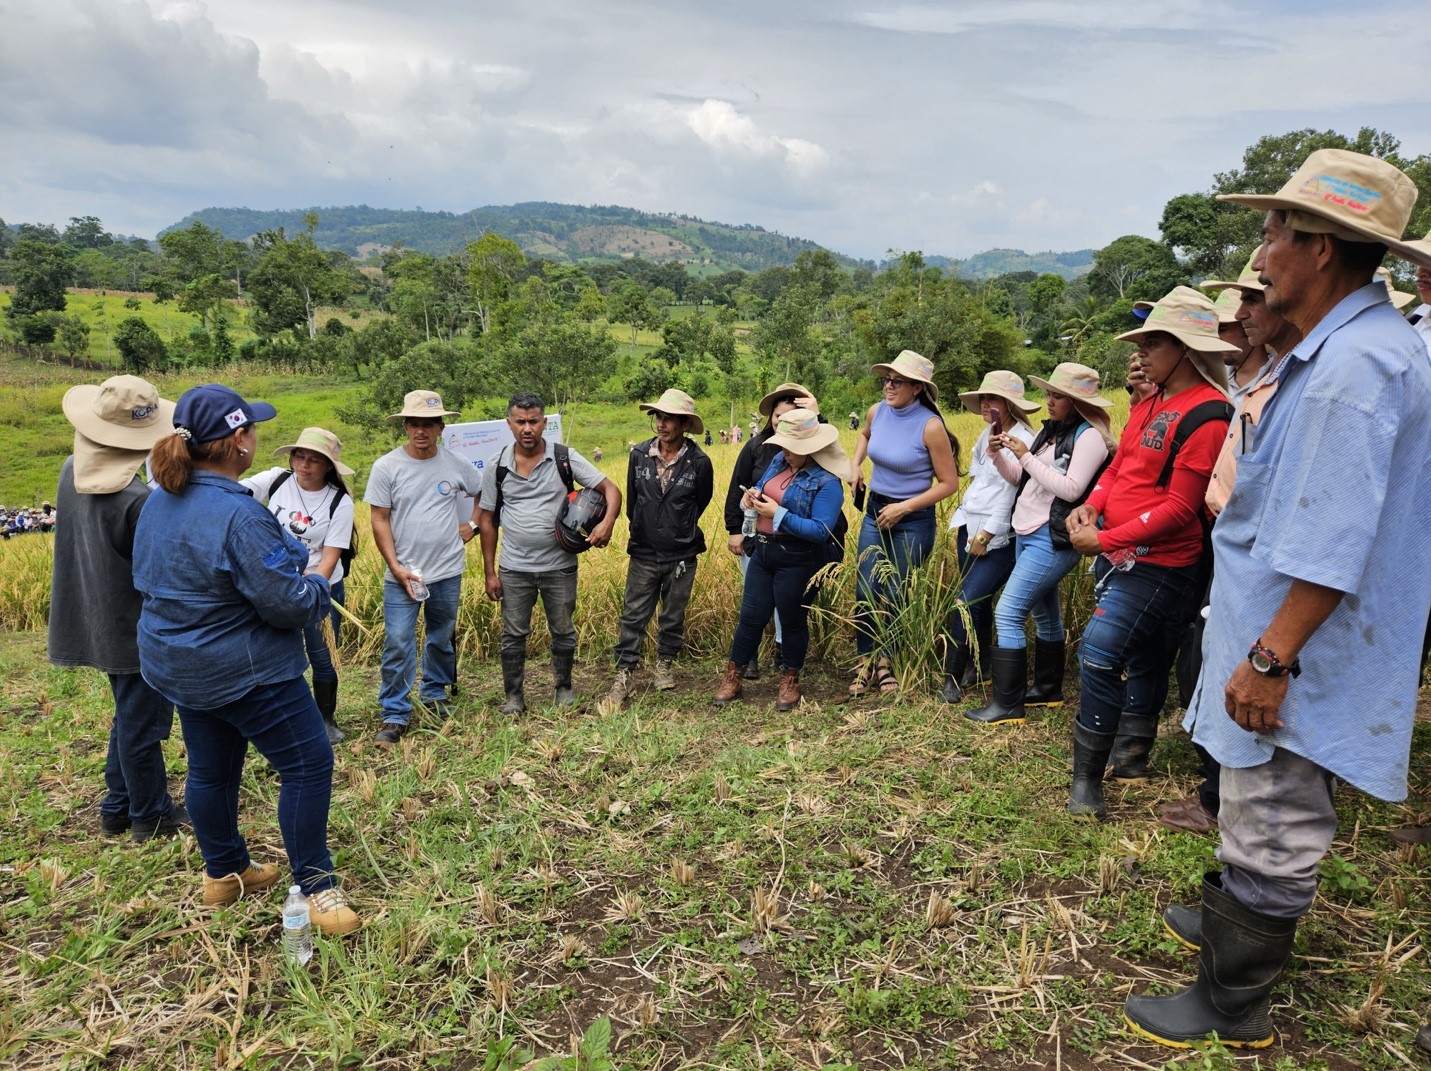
(419, 588)
(748, 524)
(297, 929)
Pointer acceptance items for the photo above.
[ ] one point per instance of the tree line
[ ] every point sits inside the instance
(488, 319)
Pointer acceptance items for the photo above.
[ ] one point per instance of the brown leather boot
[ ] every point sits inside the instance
(789, 697)
(730, 685)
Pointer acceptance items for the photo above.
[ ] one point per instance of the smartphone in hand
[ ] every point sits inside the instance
(859, 498)
(996, 426)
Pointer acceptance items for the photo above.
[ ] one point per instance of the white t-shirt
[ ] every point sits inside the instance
(309, 516)
(988, 502)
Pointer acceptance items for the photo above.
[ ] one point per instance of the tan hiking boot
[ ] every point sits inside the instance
(620, 688)
(221, 892)
(730, 685)
(665, 675)
(789, 697)
(329, 911)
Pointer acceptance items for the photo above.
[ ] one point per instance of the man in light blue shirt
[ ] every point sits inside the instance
(1321, 586)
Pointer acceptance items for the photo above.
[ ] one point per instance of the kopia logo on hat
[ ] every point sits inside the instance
(433, 403)
(235, 419)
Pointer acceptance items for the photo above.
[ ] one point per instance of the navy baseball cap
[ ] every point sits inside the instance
(214, 411)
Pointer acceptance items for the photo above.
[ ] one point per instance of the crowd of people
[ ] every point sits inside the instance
(1259, 523)
(17, 521)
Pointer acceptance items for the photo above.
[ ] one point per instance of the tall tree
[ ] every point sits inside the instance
(293, 278)
(1136, 267)
(493, 263)
(87, 232)
(42, 271)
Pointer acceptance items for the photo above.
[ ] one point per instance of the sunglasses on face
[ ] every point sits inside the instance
(895, 381)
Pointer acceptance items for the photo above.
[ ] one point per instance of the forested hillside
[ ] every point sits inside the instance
(558, 232)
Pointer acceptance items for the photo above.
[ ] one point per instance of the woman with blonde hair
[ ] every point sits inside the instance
(226, 597)
(1054, 474)
(984, 539)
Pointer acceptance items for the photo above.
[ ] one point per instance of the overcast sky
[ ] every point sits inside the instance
(948, 127)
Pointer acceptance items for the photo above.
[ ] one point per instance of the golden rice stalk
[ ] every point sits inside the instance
(53, 873)
(682, 873)
(500, 989)
(765, 915)
(572, 951)
(815, 891)
(1370, 1015)
(488, 906)
(364, 783)
(721, 789)
(426, 764)
(939, 911)
(646, 1012)
(626, 907)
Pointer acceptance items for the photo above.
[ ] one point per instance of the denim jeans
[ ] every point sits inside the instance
(1128, 646)
(134, 773)
(319, 657)
(1032, 588)
(1276, 821)
(648, 583)
(283, 724)
(439, 657)
(983, 576)
(886, 558)
(519, 597)
(744, 569)
(778, 579)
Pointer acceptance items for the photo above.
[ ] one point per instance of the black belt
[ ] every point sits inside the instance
(876, 501)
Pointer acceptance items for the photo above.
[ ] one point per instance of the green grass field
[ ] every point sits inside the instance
(871, 883)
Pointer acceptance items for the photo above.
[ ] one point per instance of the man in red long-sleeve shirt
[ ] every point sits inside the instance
(1152, 536)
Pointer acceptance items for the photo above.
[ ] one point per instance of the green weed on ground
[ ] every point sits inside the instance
(862, 884)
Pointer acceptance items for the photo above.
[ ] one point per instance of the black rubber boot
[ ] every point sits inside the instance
(1010, 671)
(562, 693)
(1242, 956)
(514, 673)
(325, 694)
(956, 664)
(1047, 688)
(1090, 756)
(751, 672)
(1184, 924)
(1136, 733)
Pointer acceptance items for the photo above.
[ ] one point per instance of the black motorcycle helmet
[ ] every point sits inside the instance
(582, 512)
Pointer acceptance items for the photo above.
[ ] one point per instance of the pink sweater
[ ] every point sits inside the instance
(1045, 482)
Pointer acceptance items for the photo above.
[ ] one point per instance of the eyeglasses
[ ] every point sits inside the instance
(895, 381)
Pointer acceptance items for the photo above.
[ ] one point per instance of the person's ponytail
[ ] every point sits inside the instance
(171, 462)
(933, 406)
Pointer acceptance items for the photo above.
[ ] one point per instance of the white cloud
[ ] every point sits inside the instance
(858, 123)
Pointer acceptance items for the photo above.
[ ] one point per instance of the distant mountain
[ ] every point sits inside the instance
(558, 232)
(995, 262)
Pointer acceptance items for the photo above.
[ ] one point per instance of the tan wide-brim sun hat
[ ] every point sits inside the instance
(1246, 280)
(1227, 304)
(912, 366)
(319, 441)
(123, 411)
(1355, 197)
(1079, 384)
(1399, 298)
(785, 390)
(676, 403)
(1001, 384)
(1191, 319)
(422, 405)
(801, 431)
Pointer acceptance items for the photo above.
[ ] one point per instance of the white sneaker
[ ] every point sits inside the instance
(665, 675)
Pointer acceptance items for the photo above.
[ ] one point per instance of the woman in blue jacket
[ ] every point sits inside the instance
(798, 500)
(226, 599)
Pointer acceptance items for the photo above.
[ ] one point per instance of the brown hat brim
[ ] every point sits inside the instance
(284, 451)
(1418, 252)
(890, 370)
(697, 424)
(1201, 343)
(1096, 400)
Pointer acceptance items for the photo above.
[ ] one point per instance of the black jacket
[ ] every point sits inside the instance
(667, 527)
(750, 464)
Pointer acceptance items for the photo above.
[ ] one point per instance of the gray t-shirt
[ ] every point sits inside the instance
(94, 609)
(426, 508)
(530, 507)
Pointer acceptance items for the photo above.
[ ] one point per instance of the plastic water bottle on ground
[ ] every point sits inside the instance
(297, 927)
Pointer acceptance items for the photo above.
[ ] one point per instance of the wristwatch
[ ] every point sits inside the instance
(1265, 662)
(982, 539)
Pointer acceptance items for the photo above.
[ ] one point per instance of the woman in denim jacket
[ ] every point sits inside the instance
(798, 499)
(220, 634)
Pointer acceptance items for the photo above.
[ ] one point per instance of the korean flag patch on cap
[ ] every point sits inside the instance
(236, 419)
